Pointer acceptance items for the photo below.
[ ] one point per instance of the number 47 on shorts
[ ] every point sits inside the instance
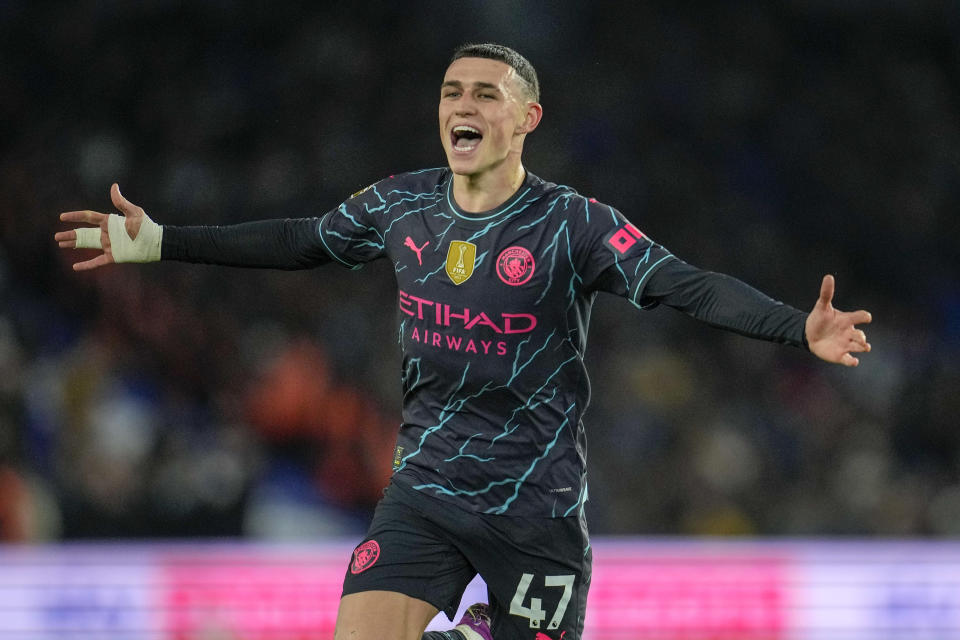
(535, 612)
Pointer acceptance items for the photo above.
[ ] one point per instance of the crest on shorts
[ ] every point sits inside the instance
(460, 260)
(364, 556)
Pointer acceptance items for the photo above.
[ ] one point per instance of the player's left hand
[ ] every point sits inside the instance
(832, 335)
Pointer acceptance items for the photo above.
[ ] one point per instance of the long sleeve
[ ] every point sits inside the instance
(270, 244)
(725, 302)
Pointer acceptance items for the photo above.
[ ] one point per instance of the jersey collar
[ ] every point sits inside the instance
(515, 202)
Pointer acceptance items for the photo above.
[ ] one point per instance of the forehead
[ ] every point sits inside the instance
(468, 71)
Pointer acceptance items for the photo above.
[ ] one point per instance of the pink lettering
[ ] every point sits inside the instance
(404, 303)
(447, 314)
(444, 316)
(481, 318)
(420, 302)
(508, 325)
(456, 343)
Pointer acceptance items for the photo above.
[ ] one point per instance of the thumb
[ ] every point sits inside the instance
(122, 204)
(826, 291)
(133, 215)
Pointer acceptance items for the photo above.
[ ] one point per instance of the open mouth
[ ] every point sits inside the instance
(465, 138)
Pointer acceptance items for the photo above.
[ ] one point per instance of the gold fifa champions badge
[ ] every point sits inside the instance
(460, 259)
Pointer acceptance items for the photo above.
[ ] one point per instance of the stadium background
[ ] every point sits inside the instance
(772, 141)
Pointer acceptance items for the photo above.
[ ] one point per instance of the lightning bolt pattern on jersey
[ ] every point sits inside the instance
(493, 310)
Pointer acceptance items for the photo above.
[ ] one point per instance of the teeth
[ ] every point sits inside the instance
(465, 129)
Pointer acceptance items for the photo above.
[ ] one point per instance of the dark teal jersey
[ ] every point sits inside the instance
(493, 310)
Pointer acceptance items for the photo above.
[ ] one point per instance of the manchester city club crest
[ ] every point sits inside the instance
(460, 260)
(515, 266)
(365, 556)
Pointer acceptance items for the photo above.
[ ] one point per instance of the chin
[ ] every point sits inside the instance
(461, 166)
(461, 171)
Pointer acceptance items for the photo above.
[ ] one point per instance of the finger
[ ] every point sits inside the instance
(848, 360)
(860, 317)
(93, 263)
(90, 217)
(122, 204)
(81, 238)
(859, 347)
(826, 290)
(858, 342)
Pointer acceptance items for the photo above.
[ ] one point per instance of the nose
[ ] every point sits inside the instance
(466, 105)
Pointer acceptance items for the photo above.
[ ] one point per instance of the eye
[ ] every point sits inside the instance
(487, 96)
(451, 94)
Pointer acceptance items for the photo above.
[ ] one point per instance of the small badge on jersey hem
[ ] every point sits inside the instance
(515, 266)
(461, 257)
(397, 458)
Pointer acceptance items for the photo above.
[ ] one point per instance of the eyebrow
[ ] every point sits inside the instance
(477, 85)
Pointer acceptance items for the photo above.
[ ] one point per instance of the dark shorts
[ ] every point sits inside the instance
(537, 570)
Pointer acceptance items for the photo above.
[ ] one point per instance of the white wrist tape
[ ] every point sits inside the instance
(145, 248)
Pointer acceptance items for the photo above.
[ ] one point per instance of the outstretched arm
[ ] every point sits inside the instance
(134, 237)
(728, 303)
(832, 334)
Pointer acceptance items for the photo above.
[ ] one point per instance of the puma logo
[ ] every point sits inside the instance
(417, 250)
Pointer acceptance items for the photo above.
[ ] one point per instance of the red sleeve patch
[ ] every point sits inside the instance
(624, 238)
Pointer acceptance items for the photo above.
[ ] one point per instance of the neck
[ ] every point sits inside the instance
(483, 192)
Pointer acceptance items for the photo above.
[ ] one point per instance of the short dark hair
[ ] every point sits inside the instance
(521, 65)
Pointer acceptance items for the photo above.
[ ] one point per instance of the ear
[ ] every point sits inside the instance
(531, 118)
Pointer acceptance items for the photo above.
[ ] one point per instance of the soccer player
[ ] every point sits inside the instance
(497, 271)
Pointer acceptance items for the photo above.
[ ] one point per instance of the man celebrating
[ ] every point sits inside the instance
(497, 271)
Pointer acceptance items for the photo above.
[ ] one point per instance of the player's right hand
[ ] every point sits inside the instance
(132, 237)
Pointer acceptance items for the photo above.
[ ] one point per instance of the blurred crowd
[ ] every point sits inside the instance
(772, 141)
